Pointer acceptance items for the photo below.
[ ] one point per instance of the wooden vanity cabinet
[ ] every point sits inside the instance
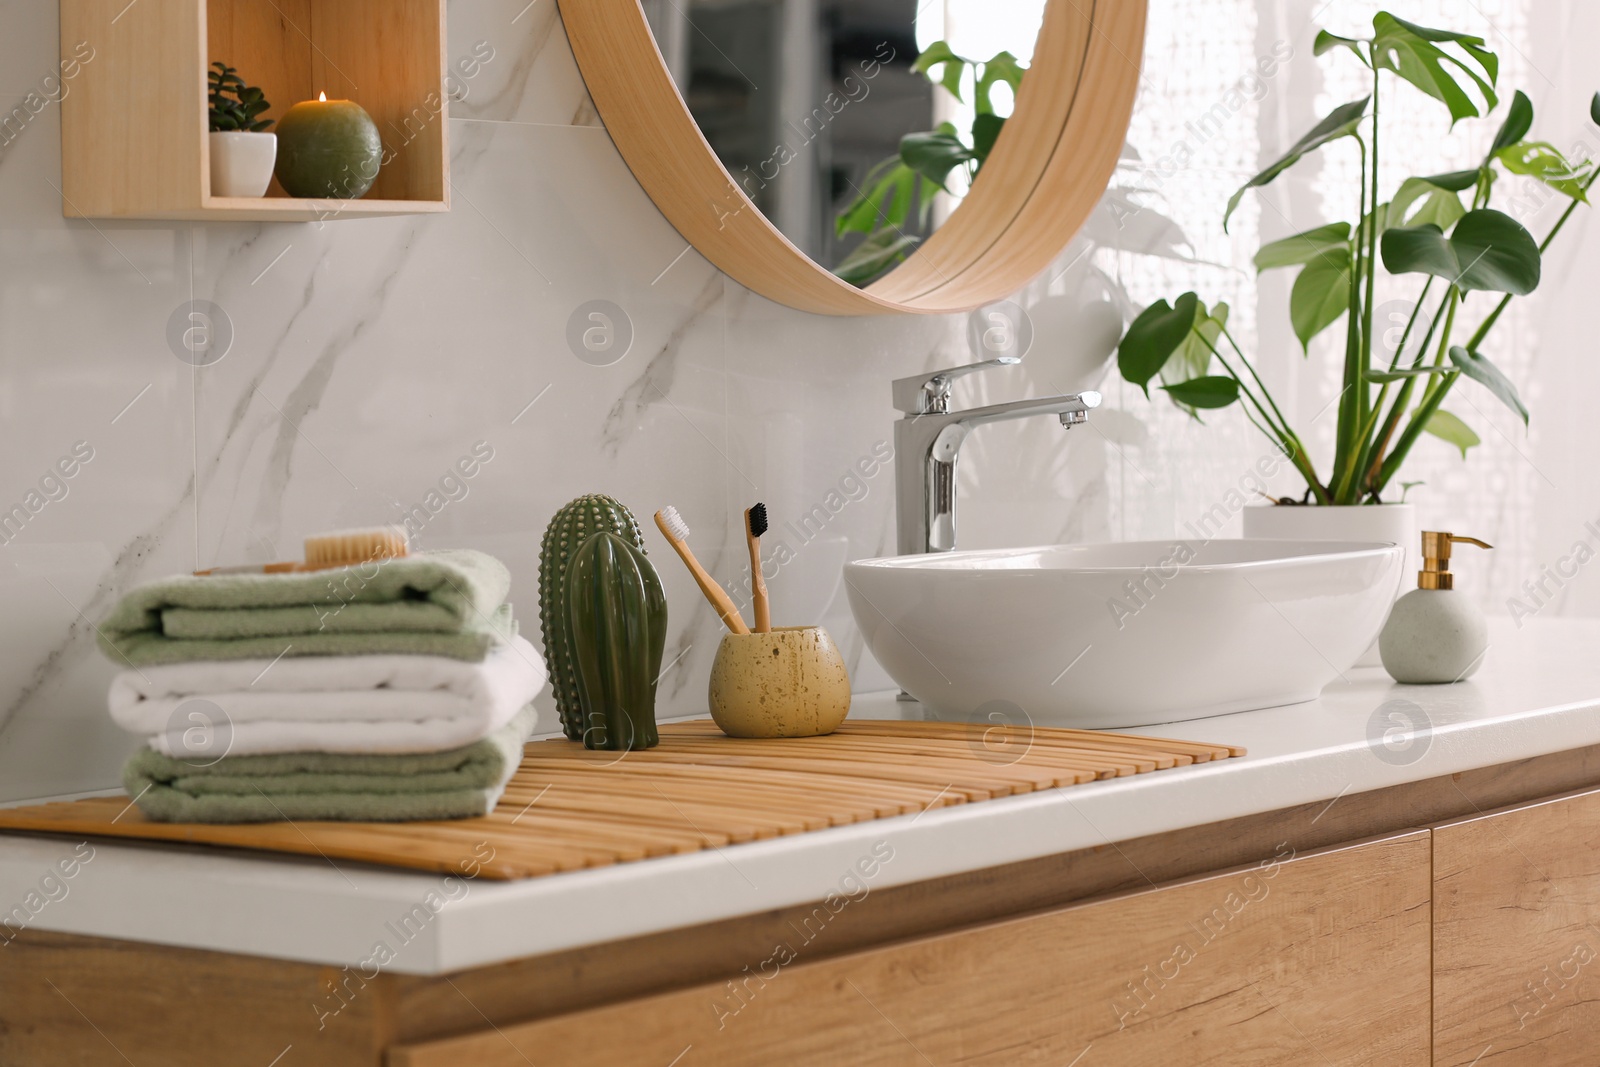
(1516, 936)
(1471, 942)
(1319, 958)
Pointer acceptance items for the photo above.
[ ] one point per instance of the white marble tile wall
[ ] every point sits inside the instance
(369, 355)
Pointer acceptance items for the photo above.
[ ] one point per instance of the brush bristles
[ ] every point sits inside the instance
(758, 520)
(345, 547)
(674, 523)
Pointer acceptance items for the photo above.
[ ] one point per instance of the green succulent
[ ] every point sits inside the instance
(235, 105)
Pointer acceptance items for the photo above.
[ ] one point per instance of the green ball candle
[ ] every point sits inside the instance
(328, 148)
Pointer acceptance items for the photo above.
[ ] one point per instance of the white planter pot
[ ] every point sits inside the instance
(1395, 524)
(242, 162)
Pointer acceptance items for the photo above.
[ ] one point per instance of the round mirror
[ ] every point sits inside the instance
(862, 156)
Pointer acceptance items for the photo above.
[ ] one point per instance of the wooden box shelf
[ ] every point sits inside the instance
(134, 124)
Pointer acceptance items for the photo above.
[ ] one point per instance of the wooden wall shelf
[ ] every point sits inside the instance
(133, 139)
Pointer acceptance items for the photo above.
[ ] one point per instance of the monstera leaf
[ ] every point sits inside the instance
(936, 153)
(1544, 162)
(1327, 42)
(1419, 201)
(1519, 120)
(1305, 247)
(1153, 337)
(1488, 250)
(1193, 357)
(1479, 369)
(1212, 391)
(940, 54)
(1446, 427)
(1004, 67)
(1413, 53)
(1320, 295)
(874, 255)
(1341, 122)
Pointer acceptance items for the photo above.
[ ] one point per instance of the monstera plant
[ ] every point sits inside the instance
(1440, 228)
(905, 184)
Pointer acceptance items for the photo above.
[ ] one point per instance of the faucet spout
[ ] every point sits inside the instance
(1073, 406)
(927, 448)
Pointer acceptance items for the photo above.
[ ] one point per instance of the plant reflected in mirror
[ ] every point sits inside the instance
(854, 126)
(899, 193)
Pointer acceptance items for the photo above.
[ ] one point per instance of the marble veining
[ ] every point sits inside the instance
(654, 384)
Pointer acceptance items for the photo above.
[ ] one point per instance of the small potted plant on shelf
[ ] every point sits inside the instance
(1438, 230)
(242, 152)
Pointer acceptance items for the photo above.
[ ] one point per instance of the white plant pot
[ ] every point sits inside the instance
(242, 162)
(1395, 524)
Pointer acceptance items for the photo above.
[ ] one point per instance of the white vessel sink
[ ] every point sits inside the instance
(1116, 635)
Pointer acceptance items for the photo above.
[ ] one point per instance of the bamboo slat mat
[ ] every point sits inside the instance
(568, 808)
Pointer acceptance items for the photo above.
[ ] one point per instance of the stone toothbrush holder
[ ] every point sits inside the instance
(791, 682)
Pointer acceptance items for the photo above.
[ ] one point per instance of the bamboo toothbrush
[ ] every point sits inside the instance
(676, 531)
(755, 524)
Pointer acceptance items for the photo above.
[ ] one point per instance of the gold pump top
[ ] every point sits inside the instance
(1435, 572)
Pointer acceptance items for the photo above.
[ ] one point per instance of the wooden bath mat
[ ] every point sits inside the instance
(568, 808)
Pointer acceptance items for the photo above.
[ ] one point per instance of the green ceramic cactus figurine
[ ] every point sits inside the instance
(617, 614)
(571, 527)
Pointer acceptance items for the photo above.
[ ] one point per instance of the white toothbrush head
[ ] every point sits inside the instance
(672, 523)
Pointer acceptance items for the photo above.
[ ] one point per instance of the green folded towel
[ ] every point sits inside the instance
(315, 786)
(449, 603)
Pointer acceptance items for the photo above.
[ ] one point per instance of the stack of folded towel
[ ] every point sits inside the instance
(385, 691)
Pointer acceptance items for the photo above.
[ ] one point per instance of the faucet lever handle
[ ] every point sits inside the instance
(929, 394)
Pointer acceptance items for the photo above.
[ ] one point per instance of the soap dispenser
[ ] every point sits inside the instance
(1433, 634)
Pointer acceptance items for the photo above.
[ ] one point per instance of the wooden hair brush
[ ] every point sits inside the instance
(338, 548)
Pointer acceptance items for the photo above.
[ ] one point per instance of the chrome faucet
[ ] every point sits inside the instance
(927, 444)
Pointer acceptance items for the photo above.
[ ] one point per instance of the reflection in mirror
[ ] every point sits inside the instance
(855, 126)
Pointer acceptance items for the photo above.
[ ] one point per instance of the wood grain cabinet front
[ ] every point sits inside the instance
(1320, 958)
(1516, 940)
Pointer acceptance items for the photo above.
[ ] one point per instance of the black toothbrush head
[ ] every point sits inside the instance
(758, 520)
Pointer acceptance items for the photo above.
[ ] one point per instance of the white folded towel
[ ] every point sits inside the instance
(349, 704)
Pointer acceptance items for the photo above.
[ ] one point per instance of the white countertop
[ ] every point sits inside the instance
(1538, 693)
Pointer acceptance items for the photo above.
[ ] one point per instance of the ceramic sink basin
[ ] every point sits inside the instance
(1116, 635)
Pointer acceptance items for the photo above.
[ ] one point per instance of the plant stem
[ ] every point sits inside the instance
(1265, 432)
(1349, 401)
(1302, 463)
(1413, 431)
(1347, 486)
(1364, 457)
(1406, 336)
(1363, 398)
(1368, 442)
(1430, 401)
(1279, 430)
(1375, 457)
(1296, 455)
(1259, 383)
(1286, 438)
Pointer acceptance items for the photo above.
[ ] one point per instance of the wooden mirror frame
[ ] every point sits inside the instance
(1043, 177)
